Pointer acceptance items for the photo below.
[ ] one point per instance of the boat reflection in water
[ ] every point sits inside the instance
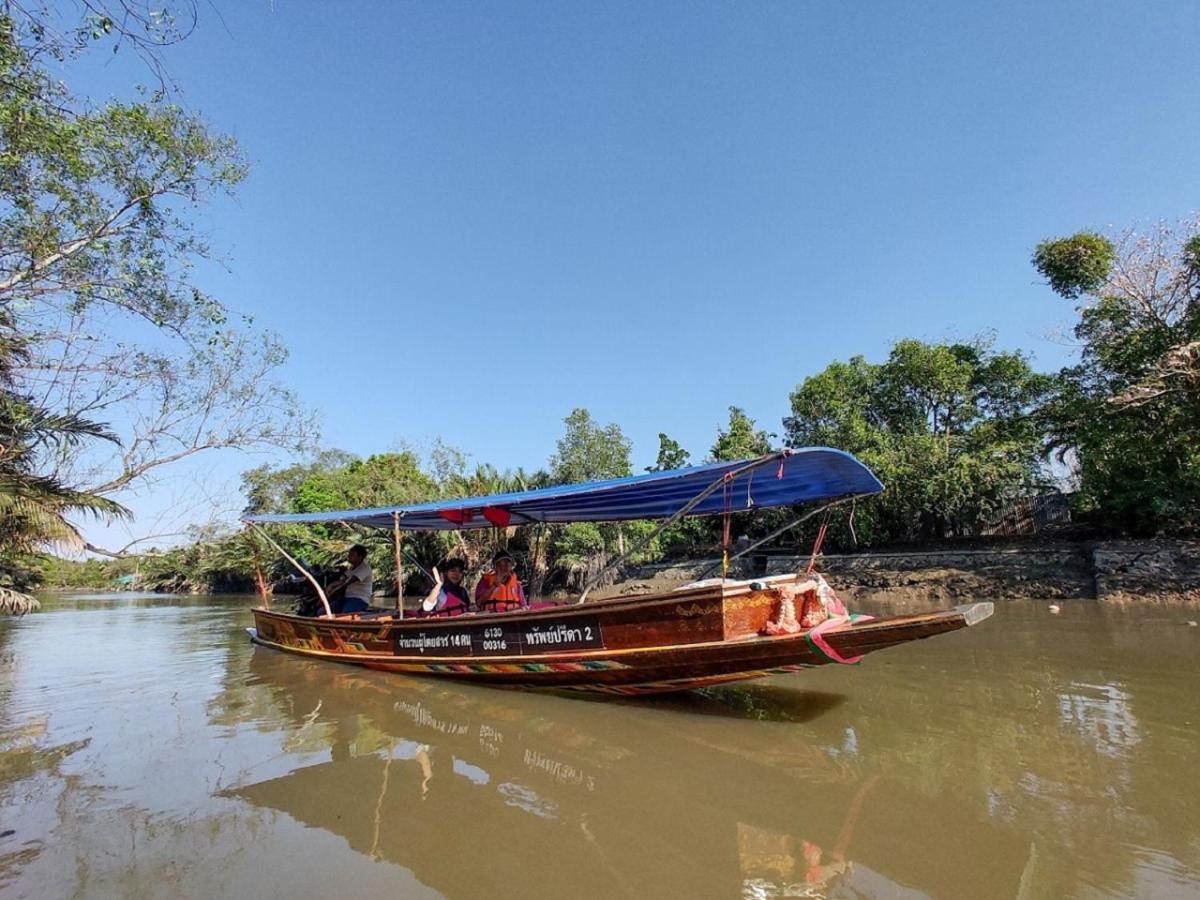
(482, 793)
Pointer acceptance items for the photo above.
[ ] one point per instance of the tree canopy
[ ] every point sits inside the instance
(34, 506)
(99, 249)
(948, 428)
(740, 439)
(115, 361)
(1130, 410)
(670, 455)
(589, 451)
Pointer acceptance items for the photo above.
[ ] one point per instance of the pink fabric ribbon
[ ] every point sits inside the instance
(816, 637)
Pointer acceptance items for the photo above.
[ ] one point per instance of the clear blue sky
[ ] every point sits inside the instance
(469, 218)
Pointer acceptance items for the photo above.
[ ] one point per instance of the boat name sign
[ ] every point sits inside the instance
(505, 638)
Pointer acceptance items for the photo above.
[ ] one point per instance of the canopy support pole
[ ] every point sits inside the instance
(299, 568)
(259, 579)
(683, 511)
(778, 531)
(535, 580)
(399, 566)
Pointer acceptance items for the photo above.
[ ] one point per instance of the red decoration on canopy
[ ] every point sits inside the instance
(497, 516)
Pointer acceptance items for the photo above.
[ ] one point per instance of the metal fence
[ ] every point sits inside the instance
(1030, 515)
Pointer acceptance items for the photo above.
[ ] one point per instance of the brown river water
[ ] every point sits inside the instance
(147, 749)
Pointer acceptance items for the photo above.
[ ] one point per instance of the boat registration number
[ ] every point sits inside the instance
(504, 638)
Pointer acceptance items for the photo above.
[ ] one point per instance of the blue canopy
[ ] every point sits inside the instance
(778, 479)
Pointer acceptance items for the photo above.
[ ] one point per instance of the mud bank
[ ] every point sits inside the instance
(1156, 571)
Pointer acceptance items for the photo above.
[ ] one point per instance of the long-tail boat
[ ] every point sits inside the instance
(706, 633)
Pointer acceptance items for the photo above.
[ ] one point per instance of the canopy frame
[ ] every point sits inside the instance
(782, 530)
(805, 475)
(303, 571)
(726, 477)
(497, 513)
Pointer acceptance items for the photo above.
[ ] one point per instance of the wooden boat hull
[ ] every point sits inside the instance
(676, 641)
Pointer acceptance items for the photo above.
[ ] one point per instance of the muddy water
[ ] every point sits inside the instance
(148, 749)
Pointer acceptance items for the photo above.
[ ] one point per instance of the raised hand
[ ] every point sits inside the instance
(429, 604)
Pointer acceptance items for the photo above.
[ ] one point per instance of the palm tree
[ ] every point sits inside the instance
(33, 506)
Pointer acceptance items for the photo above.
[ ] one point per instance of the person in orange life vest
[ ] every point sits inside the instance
(448, 597)
(499, 590)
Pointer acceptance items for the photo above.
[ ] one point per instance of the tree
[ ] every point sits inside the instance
(146, 27)
(670, 455)
(34, 507)
(96, 199)
(740, 440)
(686, 535)
(98, 245)
(949, 428)
(589, 451)
(382, 479)
(1130, 409)
(1075, 265)
(272, 489)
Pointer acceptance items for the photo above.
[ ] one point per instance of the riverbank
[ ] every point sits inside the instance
(1115, 571)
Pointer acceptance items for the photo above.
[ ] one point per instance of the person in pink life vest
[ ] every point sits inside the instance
(448, 597)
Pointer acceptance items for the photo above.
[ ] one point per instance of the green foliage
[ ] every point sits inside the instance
(635, 533)
(1075, 265)
(338, 480)
(334, 480)
(383, 479)
(99, 315)
(271, 489)
(578, 542)
(684, 537)
(34, 506)
(94, 229)
(1191, 258)
(589, 451)
(96, 199)
(95, 574)
(97, 248)
(224, 563)
(1129, 412)
(948, 428)
(692, 536)
(670, 455)
(740, 439)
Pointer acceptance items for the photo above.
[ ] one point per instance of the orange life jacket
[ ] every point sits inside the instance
(500, 597)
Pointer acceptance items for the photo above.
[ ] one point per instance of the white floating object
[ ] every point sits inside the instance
(1055, 608)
